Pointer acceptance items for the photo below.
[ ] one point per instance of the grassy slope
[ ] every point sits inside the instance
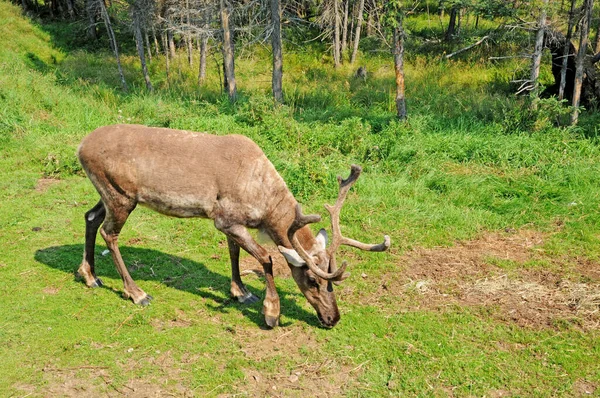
(466, 163)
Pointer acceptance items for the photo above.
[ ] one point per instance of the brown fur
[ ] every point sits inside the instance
(224, 178)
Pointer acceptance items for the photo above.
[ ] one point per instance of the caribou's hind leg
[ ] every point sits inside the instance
(93, 219)
(117, 212)
(238, 290)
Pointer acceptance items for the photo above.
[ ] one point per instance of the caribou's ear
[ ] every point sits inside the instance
(322, 239)
(291, 256)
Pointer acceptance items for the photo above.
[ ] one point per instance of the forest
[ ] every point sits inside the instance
(475, 123)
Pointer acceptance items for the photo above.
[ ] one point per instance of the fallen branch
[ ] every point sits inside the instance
(484, 38)
(122, 323)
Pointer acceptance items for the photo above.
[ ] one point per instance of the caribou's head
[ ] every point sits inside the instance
(315, 268)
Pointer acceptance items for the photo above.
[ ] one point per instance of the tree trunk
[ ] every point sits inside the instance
(202, 65)
(70, 8)
(345, 28)
(451, 31)
(228, 52)
(188, 36)
(148, 46)
(277, 79)
(113, 41)
(156, 46)
(357, 34)
(399, 70)
(336, 33)
(536, 58)
(171, 43)
(566, 53)
(91, 9)
(139, 42)
(597, 38)
(167, 54)
(588, 5)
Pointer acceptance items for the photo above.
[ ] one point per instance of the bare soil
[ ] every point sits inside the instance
(497, 274)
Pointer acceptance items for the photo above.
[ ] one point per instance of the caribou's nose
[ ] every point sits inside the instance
(329, 321)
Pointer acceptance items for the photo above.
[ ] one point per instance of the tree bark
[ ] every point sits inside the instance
(357, 34)
(451, 31)
(345, 28)
(91, 10)
(228, 53)
(113, 41)
(70, 8)
(188, 37)
(202, 65)
(336, 33)
(277, 79)
(536, 58)
(148, 46)
(399, 70)
(139, 42)
(566, 52)
(167, 54)
(597, 38)
(588, 5)
(171, 43)
(156, 46)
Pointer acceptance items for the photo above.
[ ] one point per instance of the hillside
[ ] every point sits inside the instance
(492, 286)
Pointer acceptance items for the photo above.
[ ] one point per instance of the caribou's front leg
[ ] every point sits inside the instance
(240, 235)
(238, 290)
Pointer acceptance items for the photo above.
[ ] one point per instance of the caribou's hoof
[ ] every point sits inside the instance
(145, 301)
(272, 321)
(97, 283)
(248, 298)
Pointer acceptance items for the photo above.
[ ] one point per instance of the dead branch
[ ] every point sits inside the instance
(484, 38)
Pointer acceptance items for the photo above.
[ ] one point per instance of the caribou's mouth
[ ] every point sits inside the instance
(330, 322)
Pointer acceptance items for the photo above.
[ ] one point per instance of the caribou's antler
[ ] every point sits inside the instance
(337, 238)
(300, 221)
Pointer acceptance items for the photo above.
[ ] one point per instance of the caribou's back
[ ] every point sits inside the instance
(181, 173)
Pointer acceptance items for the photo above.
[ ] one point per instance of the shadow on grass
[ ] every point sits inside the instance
(173, 271)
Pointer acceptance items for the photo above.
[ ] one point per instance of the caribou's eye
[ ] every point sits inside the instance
(312, 281)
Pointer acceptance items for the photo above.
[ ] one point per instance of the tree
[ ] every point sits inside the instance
(359, 23)
(228, 54)
(336, 33)
(112, 40)
(394, 18)
(566, 52)
(139, 10)
(277, 51)
(536, 58)
(584, 30)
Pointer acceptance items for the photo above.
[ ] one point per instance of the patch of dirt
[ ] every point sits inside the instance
(467, 275)
(51, 290)
(297, 379)
(179, 320)
(92, 381)
(325, 379)
(44, 183)
(583, 387)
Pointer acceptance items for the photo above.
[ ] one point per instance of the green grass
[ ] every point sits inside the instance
(471, 159)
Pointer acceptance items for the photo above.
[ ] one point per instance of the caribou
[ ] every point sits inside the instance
(227, 179)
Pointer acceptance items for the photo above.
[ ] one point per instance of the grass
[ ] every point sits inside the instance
(470, 160)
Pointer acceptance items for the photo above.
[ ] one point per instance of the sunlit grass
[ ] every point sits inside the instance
(470, 159)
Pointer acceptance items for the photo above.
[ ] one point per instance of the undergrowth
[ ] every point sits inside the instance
(470, 158)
